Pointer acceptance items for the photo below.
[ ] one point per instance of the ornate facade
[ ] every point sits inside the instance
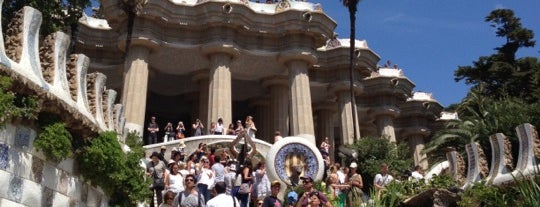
(280, 62)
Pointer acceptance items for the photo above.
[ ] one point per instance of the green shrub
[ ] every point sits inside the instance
(528, 190)
(373, 151)
(104, 163)
(13, 105)
(55, 142)
(481, 194)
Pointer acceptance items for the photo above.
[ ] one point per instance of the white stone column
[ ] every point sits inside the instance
(279, 104)
(263, 119)
(202, 79)
(385, 124)
(416, 145)
(300, 114)
(219, 89)
(325, 112)
(346, 112)
(135, 87)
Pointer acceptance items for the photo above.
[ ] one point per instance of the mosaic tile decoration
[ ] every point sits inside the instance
(309, 162)
(47, 197)
(37, 169)
(15, 189)
(22, 137)
(4, 156)
(64, 181)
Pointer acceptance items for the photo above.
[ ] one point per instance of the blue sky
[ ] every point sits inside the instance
(429, 39)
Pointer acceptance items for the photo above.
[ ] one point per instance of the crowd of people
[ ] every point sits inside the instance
(171, 133)
(207, 178)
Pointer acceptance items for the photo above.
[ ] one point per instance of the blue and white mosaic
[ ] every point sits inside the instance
(4, 156)
(309, 162)
(15, 189)
(22, 137)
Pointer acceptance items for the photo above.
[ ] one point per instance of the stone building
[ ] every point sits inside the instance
(280, 62)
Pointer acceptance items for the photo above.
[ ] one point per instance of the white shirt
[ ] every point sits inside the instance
(219, 128)
(229, 181)
(207, 177)
(223, 200)
(341, 176)
(176, 183)
(383, 180)
(417, 176)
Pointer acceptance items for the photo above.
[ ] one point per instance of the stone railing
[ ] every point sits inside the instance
(502, 168)
(64, 88)
(59, 80)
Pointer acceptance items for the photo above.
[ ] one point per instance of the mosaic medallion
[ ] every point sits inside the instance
(292, 158)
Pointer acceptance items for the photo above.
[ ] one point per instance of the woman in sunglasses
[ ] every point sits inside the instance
(190, 197)
(168, 199)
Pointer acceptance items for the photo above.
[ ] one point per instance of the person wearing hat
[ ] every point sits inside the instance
(161, 154)
(355, 194)
(308, 188)
(156, 169)
(272, 200)
(292, 198)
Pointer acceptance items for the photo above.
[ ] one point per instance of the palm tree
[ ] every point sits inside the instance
(352, 7)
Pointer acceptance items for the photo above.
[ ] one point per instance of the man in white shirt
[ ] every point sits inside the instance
(418, 173)
(222, 199)
(382, 179)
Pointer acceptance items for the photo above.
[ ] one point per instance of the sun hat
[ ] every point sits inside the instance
(276, 182)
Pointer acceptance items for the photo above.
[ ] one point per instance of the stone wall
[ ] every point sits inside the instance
(61, 83)
(31, 180)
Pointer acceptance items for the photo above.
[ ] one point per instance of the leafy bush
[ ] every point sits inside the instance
(104, 163)
(373, 151)
(483, 195)
(13, 105)
(55, 142)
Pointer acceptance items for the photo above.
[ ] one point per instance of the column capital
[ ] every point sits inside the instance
(325, 105)
(299, 55)
(146, 43)
(392, 111)
(275, 80)
(258, 101)
(200, 75)
(415, 131)
(218, 47)
(340, 86)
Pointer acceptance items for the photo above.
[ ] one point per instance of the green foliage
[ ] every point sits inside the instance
(501, 74)
(396, 192)
(373, 151)
(14, 105)
(57, 15)
(485, 195)
(55, 142)
(481, 117)
(528, 189)
(104, 163)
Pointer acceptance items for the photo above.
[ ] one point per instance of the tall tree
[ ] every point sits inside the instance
(352, 6)
(58, 15)
(501, 74)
